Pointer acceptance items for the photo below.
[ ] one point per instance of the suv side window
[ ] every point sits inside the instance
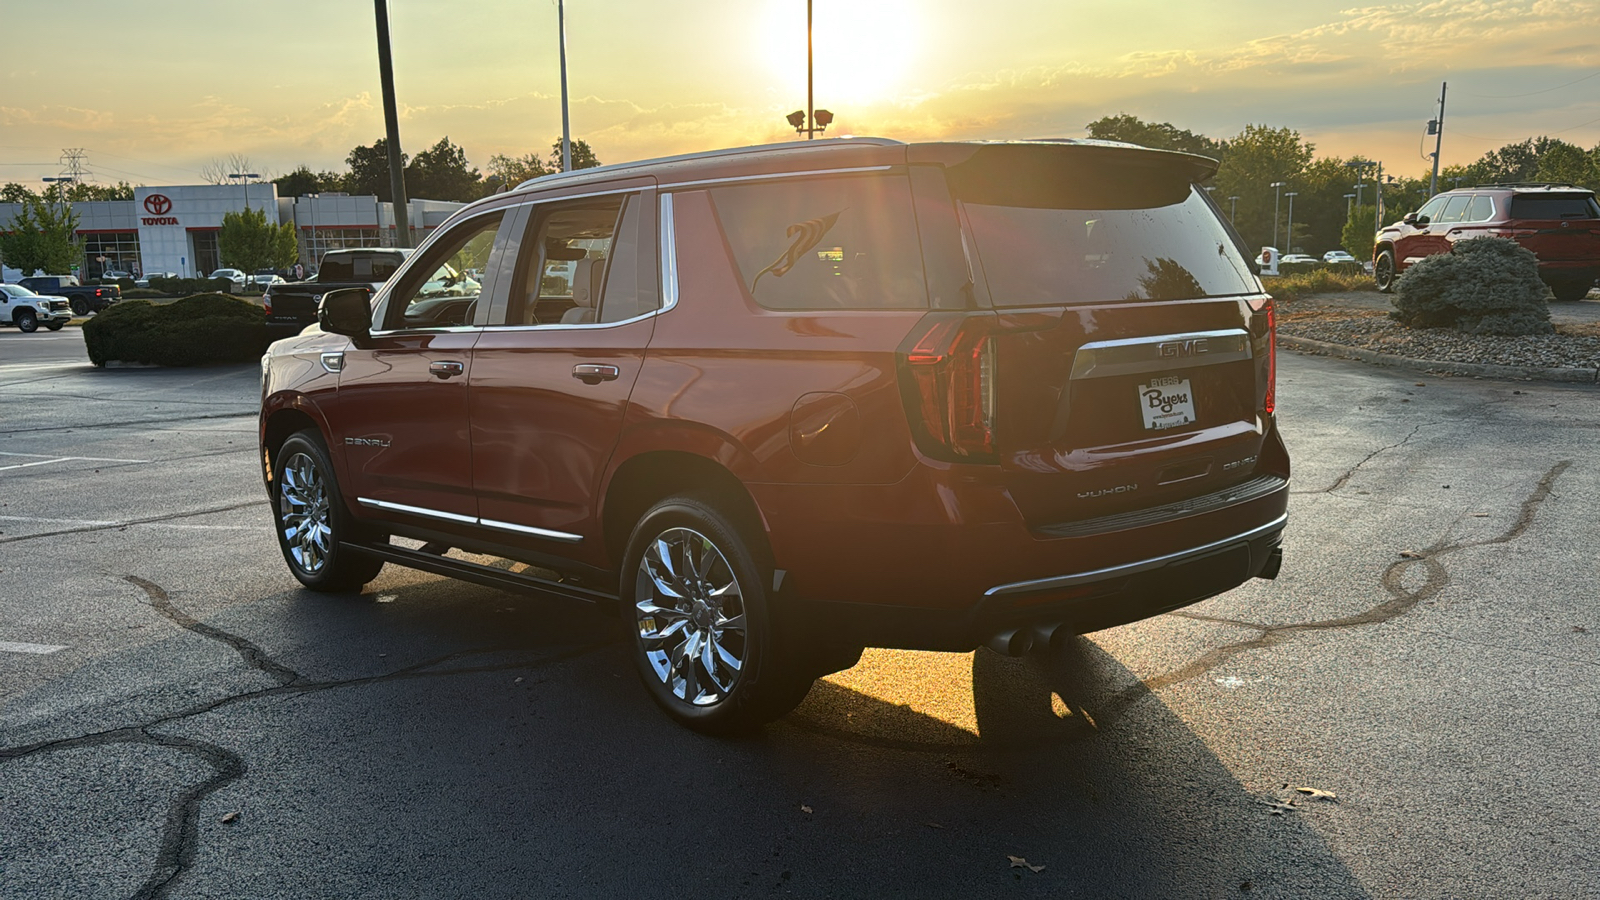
(842, 242)
(437, 291)
(581, 264)
(1431, 209)
(1481, 210)
(1454, 210)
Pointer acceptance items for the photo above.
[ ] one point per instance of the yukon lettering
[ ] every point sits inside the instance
(1106, 492)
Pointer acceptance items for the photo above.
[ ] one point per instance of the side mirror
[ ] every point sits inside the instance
(1409, 218)
(347, 312)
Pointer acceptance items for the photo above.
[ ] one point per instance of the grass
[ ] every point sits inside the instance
(1322, 281)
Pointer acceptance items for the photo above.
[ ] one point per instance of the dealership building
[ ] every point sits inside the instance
(174, 229)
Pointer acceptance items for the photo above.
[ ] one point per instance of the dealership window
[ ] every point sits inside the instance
(207, 256)
(315, 242)
(120, 249)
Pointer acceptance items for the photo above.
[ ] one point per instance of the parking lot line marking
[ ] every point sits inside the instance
(46, 462)
(46, 521)
(41, 649)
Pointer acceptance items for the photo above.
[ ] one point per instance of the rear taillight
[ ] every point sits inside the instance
(266, 301)
(948, 372)
(1269, 392)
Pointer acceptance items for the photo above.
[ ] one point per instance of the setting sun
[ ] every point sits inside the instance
(862, 52)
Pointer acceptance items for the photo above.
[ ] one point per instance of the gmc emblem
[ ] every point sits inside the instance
(1191, 347)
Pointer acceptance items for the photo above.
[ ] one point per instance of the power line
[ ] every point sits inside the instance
(1531, 93)
(1479, 137)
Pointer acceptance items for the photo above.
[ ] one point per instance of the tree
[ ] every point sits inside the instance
(303, 181)
(1159, 135)
(15, 193)
(514, 171)
(1570, 164)
(42, 236)
(85, 191)
(1253, 160)
(442, 172)
(369, 170)
(218, 170)
(582, 156)
(247, 241)
(1359, 232)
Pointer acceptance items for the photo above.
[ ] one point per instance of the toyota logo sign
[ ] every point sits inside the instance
(158, 204)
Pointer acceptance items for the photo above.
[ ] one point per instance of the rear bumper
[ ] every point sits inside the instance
(945, 566)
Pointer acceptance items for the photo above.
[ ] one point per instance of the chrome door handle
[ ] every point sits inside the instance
(590, 373)
(446, 369)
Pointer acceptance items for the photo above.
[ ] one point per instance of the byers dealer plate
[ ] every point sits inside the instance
(1166, 403)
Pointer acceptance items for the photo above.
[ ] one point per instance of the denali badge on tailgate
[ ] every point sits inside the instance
(1166, 403)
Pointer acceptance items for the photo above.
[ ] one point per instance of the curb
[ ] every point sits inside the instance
(1475, 370)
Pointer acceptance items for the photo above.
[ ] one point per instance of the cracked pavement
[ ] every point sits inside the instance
(1428, 654)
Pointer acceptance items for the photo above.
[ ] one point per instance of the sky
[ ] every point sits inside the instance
(155, 91)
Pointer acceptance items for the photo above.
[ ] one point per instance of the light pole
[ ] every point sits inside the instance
(566, 127)
(1233, 208)
(244, 182)
(1347, 199)
(810, 120)
(1361, 166)
(1275, 200)
(1291, 195)
(61, 195)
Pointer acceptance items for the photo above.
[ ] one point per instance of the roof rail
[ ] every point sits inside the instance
(708, 154)
(1533, 184)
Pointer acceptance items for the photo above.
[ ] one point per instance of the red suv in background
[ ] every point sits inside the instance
(1560, 223)
(781, 403)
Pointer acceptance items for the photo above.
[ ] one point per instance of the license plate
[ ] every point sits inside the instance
(1166, 403)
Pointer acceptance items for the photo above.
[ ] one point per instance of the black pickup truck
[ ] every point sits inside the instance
(291, 307)
(84, 298)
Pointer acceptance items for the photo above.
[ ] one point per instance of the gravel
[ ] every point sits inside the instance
(1575, 346)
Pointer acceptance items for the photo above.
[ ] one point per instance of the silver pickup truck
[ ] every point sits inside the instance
(27, 310)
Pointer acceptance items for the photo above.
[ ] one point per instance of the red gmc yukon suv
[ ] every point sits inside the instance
(781, 403)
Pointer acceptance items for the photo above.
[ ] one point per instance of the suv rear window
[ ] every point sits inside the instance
(359, 267)
(1073, 231)
(846, 242)
(1554, 206)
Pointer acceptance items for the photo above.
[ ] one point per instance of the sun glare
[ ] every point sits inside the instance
(863, 49)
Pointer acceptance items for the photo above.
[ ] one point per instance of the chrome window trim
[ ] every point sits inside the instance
(1130, 356)
(471, 520)
(442, 329)
(1133, 568)
(669, 255)
(734, 179)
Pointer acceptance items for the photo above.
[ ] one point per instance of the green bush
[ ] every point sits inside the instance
(1482, 286)
(204, 329)
(183, 287)
(1349, 268)
(1329, 280)
(140, 293)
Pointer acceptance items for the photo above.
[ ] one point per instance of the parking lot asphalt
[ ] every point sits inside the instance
(179, 719)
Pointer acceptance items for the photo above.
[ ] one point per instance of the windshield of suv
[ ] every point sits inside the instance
(1554, 206)
(358, 267)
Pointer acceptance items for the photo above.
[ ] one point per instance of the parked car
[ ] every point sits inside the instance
(27, 310)
(144, 280)
(114, 275)
(264, 277)
(1560, 223)
(1297, 258)
(781, 403)
(83, 299)
(1337, 256)
(235, 277)
(291, 306)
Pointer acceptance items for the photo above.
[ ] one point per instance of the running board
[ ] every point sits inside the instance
(480, 574)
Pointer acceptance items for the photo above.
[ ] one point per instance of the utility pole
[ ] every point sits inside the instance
(391, 121)
(1276, 191)
(566, 128)
(1289, 236)
(1436, 128)
(811, 116)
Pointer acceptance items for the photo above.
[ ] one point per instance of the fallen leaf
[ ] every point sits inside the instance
(1018, 862)
(230, 818)
(517, 680)
(1580, 629)
(805, 809)
(1278, 807)
(1410, 554)
(1317, 794)
(933, 824)
(1480, 515)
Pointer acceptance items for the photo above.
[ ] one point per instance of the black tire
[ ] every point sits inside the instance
(55, 326)
(706, 636)
(1570, 291)
(1383, 271)
(26, 321)
(80, 306)
(312, 522)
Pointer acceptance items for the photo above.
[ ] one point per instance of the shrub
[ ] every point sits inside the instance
(1482, 286)
(1329, 280)
(183, 287)
(204, 329)
(140, 293)
(1349, 268)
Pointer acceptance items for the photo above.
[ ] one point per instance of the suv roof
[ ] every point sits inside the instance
(1521, 187)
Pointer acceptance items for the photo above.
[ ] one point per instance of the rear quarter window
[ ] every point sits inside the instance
(846, 242)
(1554, 206)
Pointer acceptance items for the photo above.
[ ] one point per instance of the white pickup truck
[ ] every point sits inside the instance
(27, 310)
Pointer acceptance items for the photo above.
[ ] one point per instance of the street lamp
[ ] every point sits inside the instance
(821, 117)
(1233, 210)
(1291, 195)
(1347, 199)
(1361, 166)
(1275, 199)
(244, 182)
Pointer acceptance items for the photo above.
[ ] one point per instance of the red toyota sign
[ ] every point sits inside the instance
(158, 204)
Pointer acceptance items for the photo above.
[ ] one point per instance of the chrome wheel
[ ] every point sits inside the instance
(691, 617)
(304, 516)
